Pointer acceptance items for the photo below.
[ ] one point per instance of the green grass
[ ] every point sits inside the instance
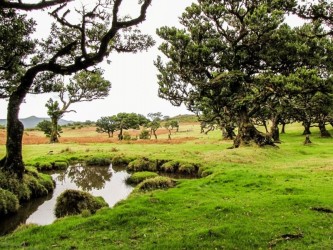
(253, 198)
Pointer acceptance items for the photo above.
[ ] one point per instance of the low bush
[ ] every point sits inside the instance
(72, 202)
(144, 134)
(98, 161)
(158, 182)
(138, 177)
(126, 136)
(142, 164)
(8, 202)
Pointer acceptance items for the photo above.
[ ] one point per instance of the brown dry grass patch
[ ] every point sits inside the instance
(89, 135)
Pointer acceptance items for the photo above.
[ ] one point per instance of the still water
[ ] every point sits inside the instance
(108, 182)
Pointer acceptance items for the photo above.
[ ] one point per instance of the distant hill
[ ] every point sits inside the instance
(32, 121)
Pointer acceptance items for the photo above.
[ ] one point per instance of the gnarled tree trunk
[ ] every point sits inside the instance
(248, 134)
(275, 129)
(54, 137)
(13, 160)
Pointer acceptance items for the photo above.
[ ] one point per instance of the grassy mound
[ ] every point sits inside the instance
(142, 164)
(8, 202)
(72, 202)
(138, 177)
(158, 182)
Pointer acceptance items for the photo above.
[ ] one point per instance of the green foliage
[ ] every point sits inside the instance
(46, 127)
(16, 45)
(73, 202)
(159, 182)
(142, 164)
(127, 136)
(138, 177)
(8, 202)
(144, 134)
(120, 122)
(98, 161)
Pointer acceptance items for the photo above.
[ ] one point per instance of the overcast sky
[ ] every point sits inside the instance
(133, 76)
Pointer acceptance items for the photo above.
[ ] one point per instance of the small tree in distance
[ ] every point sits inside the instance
(155, 123)
(46, 127)
(106, 124)
(85, 86)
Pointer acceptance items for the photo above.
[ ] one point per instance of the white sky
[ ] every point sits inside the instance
(133, 76)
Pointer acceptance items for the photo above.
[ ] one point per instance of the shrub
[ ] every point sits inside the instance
(126, 136)
(142, 164)
(144, 134)
(8, 202)
(98, 161)
(72, 202)
(158, 182)
(138, 177)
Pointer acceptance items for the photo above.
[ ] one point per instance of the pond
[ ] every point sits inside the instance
(108, 182)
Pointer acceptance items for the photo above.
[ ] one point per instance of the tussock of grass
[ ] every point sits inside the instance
(60, 165)
(98, 161)
(138, 177)
(8, 202)
(121, 160)
(159, 182)
(170, 167)
(142, 164)
(72, 202)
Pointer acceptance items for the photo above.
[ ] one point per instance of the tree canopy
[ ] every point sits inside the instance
(79, 38)
(237, 61)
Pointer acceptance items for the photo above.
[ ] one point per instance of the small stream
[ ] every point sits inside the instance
(108, 182)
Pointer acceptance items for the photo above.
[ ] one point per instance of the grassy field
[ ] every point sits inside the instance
(254, 198)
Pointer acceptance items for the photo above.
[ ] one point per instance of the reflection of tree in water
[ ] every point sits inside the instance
(87, 178)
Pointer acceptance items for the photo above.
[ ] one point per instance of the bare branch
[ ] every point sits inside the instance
(30, 6)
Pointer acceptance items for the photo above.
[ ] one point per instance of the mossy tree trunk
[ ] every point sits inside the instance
(54, 137)
(13, 160)
(248, 134)
(275, 128)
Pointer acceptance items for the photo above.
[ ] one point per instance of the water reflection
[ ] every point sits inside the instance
(86, 178)
(107, 182)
